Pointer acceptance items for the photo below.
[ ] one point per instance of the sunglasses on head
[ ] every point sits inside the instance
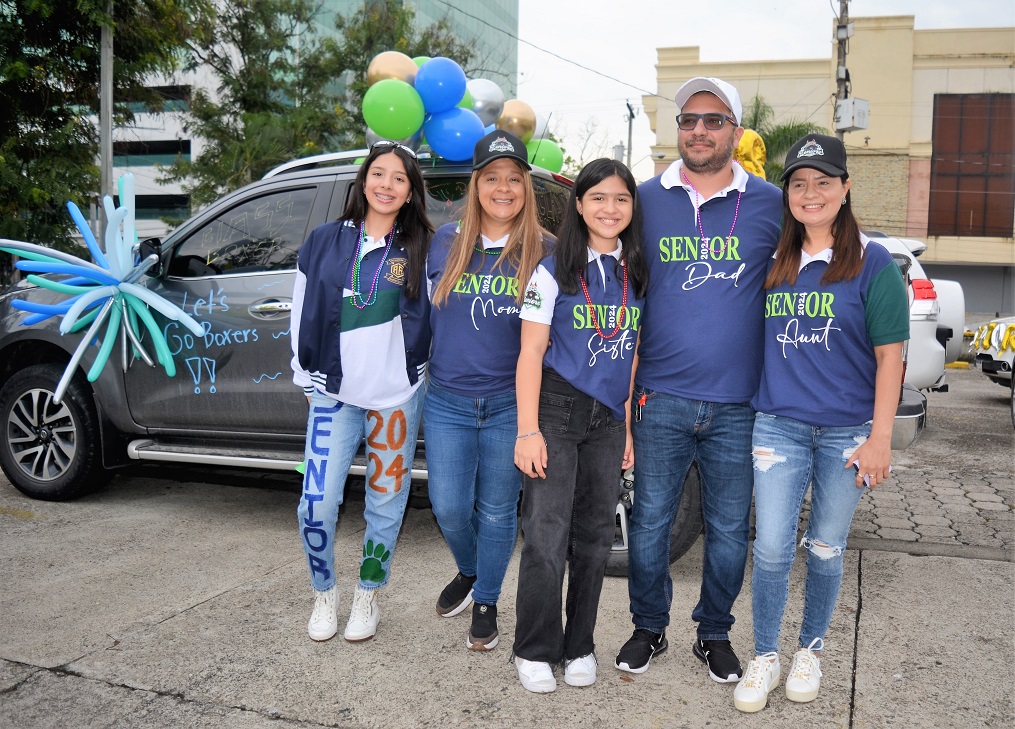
(713, 121)
(389, 143)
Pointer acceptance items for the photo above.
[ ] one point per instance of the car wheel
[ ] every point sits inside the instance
(50, 450)
(686, 526)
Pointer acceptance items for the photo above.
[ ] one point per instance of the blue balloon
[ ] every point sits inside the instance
(453, 134)
(440, 82)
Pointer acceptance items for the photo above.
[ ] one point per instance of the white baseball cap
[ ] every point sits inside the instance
(717, 87)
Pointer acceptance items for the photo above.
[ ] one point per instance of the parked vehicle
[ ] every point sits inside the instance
(994, 346)
(937, 318)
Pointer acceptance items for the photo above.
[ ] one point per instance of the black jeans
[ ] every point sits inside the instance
(569, 516)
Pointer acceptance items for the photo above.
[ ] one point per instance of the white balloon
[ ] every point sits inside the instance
(487, 99)
(541, 131)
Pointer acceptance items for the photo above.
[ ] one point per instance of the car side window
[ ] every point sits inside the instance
(445, 199)
(259, 234)
(551, 202)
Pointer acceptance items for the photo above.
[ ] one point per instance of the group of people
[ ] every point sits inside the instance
(692, 319)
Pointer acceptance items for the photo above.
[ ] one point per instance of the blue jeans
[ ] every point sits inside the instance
(474, 485)
(568, 517)
(334, 433)
(789, 456)
(674, 432)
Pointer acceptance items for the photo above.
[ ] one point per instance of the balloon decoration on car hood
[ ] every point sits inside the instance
(102, 291)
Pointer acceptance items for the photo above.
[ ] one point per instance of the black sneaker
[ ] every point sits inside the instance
(723, 664)
(639, 650)
(483, 634)
(456, 596)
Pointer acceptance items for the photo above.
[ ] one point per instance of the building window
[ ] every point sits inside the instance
(157, 207)
(149, 153)
(972, 171)
(168, 98)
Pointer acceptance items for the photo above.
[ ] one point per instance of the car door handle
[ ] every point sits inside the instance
(271, 307)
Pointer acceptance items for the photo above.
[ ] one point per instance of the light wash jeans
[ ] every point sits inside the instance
(672, 433)
(334, 433)
(474, 484)
(789, 456)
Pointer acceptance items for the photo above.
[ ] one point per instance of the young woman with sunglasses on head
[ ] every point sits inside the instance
(476, 272)
(836, 318)
(361, 340)
(580, 324)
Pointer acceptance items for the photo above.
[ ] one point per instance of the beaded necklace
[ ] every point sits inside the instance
(372, 296)
(480, 249)
(592, 308)
(697, 215)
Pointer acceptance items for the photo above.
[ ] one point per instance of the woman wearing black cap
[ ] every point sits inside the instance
(473, 274)
(836, 318)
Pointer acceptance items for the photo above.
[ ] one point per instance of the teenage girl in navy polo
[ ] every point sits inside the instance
(476, 272)
(580, 325)
(361, 339)
(836, 317)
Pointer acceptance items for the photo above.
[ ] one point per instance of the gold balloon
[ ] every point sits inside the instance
(518, 118)
(391, 64)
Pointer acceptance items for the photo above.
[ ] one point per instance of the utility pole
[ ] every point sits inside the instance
(842, 33)
(630, 124)
(105, 115)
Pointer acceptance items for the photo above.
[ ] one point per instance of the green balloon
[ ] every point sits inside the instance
(466, 102)
(420, 60)
(393, 109)
(546, 154)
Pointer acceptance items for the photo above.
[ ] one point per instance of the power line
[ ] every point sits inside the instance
(551, 53)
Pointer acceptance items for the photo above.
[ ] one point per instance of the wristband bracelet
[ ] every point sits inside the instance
(534, 432)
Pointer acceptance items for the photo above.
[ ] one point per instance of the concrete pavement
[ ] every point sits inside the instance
(156, 603)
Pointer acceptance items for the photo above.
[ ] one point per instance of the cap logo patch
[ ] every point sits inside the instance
(501, 144)
(811, 149)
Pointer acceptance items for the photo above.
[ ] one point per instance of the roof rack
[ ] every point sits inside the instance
(325, 160)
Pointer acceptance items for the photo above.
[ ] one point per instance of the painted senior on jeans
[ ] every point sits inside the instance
(582, 314)
(361, 339)
(836, 317)
(469, 416)
(710, 229)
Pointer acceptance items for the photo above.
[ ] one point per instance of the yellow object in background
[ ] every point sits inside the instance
(751, 154)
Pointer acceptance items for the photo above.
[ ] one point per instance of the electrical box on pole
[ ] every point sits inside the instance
(851, 114)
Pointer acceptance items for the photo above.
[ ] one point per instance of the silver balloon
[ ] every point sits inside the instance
(487, 100)
(410, 142)
(541, 131)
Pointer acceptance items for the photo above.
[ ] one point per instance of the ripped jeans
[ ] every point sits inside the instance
(789, 456)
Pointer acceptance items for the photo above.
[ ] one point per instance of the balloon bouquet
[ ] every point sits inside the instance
(410, 100)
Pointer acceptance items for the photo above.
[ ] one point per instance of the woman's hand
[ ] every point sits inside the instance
(872, 459)
(628, 448)
(530, 455)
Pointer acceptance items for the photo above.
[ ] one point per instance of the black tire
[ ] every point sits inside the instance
(49, 451)
(687, 525)
(1013, 401)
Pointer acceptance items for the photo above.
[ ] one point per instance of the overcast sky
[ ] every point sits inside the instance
(619, 39)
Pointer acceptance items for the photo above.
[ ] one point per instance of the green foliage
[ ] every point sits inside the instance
(385, 25)
(778, 138)
(271, 103)
(49, 77)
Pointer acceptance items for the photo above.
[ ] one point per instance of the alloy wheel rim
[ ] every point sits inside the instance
(41, 435)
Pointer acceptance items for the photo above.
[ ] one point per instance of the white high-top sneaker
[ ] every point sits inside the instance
(364, 617)
(324, 620)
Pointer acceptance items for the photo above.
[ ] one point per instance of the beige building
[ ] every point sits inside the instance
(937, 162)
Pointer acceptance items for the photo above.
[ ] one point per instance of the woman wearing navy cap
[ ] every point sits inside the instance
(475, 273)
(836, 317)
(580, 327)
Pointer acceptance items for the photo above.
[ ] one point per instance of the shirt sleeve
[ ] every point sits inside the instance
(540, 296)
(300, 376)
(887, 307)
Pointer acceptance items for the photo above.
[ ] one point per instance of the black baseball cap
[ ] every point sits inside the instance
(818, 151)
(497, 144)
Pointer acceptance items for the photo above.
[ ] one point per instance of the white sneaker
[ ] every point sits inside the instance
(364, 616)
(536, 676)
(580, 671)
(804, 677)
(324, 620)
(761, 676)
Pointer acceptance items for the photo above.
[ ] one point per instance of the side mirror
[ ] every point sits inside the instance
(148, 247)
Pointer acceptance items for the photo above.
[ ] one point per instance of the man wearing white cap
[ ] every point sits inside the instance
(710, 229)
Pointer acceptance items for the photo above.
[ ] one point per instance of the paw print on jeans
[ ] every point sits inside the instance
(374, 557)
